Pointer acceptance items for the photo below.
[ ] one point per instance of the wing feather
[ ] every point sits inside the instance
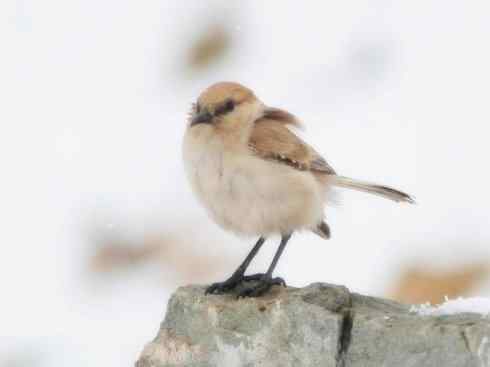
(272, 139)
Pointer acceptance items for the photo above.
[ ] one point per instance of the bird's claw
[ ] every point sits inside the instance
(264, 284)
(231, 283)
(222, 287)
(253, 277)
(218, 288)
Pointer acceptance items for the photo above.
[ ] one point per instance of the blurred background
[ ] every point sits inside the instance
(98, 225)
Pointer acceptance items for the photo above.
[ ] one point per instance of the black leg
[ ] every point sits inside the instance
(282, 245)
(266, 281)
(238, 275)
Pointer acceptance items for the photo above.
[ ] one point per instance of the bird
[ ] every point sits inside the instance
(255, 176)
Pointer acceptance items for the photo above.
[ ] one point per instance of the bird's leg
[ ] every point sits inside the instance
(238, 276)
(266, 281)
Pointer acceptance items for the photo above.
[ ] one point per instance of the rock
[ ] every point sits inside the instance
(319, 325)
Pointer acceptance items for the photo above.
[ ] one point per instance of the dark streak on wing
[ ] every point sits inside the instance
(290, 162)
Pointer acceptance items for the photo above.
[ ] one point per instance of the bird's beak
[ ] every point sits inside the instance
(203, 117)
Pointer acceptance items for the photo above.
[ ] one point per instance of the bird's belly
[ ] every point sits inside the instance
(249, 196)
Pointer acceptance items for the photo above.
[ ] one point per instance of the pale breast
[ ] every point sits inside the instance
(251, 196)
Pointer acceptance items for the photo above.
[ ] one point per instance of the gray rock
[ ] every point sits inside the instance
(319, 325)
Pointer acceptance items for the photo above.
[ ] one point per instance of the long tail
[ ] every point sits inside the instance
(383, 191)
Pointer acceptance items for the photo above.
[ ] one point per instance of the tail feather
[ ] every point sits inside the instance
(323, 230)
(380, 190)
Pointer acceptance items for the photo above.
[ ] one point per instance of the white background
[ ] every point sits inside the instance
(93, 102)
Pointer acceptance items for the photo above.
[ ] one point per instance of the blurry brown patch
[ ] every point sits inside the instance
(209, 48)
(113, 255)
(177, 258)
(417, 285)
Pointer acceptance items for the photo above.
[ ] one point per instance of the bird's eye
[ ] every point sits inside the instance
(229, 105)
(226, 107)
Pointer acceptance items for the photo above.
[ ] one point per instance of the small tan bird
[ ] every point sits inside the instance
(256, 177)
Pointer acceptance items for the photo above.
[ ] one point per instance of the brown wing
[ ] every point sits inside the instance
(271, 139)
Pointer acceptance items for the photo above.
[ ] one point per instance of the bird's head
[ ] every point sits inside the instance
(227, 107)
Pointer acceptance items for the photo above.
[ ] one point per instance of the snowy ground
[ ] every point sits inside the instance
(479, 305)
(94, 98)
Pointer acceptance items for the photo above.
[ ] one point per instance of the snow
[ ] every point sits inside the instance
(479, 305)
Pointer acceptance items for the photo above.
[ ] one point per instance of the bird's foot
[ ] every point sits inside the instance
(253, 277)
(226, 286)
(231, 283)
(265, 282)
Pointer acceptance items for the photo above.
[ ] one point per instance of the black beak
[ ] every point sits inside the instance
(203, 117)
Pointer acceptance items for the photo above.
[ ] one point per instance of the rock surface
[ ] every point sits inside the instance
(319, 325)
